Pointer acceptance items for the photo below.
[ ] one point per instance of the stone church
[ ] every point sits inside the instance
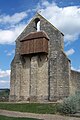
(40, 70)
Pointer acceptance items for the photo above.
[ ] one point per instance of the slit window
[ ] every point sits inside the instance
(38, 26)
(37, 23)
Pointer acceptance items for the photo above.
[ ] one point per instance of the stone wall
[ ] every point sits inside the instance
(40, 77)
(63, 75)
(59, 85)
(75, 82)
(25, 78)
(29, 79)
(42, 84)
(16, 70)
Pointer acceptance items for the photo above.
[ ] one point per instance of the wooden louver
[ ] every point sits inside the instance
(35, 42)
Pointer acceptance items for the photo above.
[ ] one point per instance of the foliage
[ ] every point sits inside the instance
(4, 94)
(78, 99)
(11, 118)
(70, 105)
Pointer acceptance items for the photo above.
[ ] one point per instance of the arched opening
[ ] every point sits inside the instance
(37, 24)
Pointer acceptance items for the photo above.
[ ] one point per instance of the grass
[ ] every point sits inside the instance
(30, 107)
(13, 118)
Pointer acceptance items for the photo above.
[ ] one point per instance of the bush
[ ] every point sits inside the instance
(4, 95)
(70, 105)
(78, 99)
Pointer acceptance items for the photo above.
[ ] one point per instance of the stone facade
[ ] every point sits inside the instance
(42, 77)
(75, 82)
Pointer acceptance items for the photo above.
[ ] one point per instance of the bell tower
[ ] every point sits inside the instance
(35, 48)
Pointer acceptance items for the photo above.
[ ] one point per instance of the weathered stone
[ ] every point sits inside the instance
(42, 77)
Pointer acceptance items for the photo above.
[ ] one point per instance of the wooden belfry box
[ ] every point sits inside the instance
(35, 42)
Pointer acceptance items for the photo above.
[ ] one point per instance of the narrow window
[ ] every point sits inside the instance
(37, 24)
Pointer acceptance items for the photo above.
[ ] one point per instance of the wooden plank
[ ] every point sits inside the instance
(26, 47)
(45, 45)
(34, 46)
(31, 46)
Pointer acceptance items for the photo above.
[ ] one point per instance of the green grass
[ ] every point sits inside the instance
(30, 107)
(13, 118)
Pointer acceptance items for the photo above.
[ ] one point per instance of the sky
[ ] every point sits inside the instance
(16, 14)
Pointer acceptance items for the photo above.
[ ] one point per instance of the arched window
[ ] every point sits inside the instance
(37, 24)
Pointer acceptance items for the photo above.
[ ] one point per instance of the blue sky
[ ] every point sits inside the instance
(14, 16)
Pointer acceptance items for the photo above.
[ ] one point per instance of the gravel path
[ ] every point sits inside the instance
(33, 115)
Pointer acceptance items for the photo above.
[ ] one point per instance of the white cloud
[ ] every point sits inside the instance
(4, 84)
(10, 53)
(15, 18)
(5, 73)
(66, 19)
(9, 36)
(45, 3)
(75, 69)
(70, 52)
(4, 78)
(12, 27)
(4, 81)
